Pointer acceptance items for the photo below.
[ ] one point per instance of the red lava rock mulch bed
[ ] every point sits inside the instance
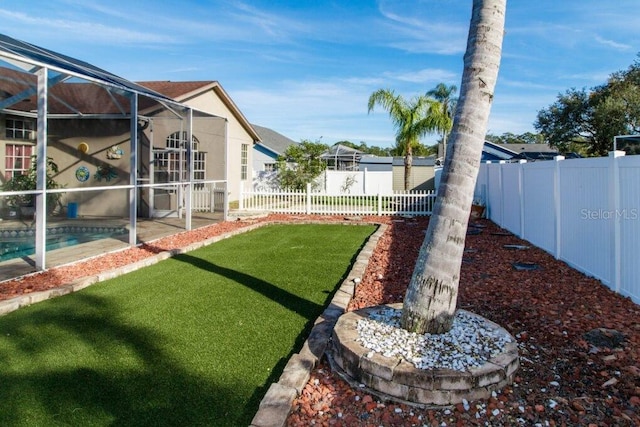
(571, 374)
(579, 342)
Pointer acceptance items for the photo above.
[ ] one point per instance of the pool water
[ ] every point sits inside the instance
(24, 245)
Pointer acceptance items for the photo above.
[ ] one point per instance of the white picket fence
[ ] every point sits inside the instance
(585, 212)
(209, 196)
(323, 203)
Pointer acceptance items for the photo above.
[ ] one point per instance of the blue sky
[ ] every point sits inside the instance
(306, 68)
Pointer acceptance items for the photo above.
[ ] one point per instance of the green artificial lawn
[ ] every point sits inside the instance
(193, 340)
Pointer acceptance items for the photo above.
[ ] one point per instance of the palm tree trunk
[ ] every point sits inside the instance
(408, 161)
(430, 302)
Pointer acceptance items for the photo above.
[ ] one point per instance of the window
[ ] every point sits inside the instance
(269, 167)
(244, 161)
(175, 141)
(20, 129)
(17, 159)
(199, 165)
(167, 162)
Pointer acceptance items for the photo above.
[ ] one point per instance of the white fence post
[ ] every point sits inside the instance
(225, 200)
(614, 207)
(501, 190)
(212, 197)
(557, 197)
(521, 195)
(308, 201)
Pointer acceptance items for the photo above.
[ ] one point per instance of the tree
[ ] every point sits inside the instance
(430, 301)
(301, 164)
(412, 120)
(593, 118)
(375, 150)
(571, 120)
(418, 149)
(511, 138)
(444, 95)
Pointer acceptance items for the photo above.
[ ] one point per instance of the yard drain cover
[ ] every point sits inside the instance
(525, 266)
(518, 247)
(476, 225)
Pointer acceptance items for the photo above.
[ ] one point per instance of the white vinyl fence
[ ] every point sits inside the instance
(334, 182)
(357, 182)
(585, 212)
(325, 203)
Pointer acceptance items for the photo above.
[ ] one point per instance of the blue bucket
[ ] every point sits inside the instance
(72, 210)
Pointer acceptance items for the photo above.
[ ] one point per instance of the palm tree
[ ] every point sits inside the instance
(444, 95)
(430, 301)
(412, 120)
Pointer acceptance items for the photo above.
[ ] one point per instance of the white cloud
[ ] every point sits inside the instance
(613, 44)
(427, 75)
(94, 32)
(423, 34)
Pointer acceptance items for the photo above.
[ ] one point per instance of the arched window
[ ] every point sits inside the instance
(171, 162)
(175, 141)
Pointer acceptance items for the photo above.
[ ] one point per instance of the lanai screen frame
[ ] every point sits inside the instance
(51, 68)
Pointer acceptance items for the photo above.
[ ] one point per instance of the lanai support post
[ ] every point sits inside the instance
(133, 173)
(41, 171)
(189, 162)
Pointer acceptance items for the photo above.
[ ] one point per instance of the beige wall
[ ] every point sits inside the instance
(237, 135)
(65, 136)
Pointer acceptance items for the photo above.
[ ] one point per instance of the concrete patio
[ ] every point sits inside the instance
(147, 230)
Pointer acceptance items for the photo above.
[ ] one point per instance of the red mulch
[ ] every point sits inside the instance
(563, 379)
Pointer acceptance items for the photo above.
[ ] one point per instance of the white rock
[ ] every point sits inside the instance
(470, 342)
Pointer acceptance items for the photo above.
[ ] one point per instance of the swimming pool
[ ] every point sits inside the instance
(16, 243)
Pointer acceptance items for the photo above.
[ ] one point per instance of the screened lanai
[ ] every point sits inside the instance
(86, 154)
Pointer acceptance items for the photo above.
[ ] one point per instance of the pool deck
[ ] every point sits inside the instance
(146, 229)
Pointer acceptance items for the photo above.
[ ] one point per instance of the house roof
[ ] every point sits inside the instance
(533, 148)
(184, 91)
(495, 152)
(377, 160)
(416, 161)
(342, 152)
(18, 93)
(272, 140)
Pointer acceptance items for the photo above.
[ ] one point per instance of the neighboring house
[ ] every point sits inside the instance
(373, 163)
(513, 152)
(422, 170)
(422, 173)
(342, 158)
(271, 145)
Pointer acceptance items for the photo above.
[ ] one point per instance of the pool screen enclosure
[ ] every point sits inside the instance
(99, 129)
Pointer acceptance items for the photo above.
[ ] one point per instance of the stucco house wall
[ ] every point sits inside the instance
(66, 136)
(215, 101)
